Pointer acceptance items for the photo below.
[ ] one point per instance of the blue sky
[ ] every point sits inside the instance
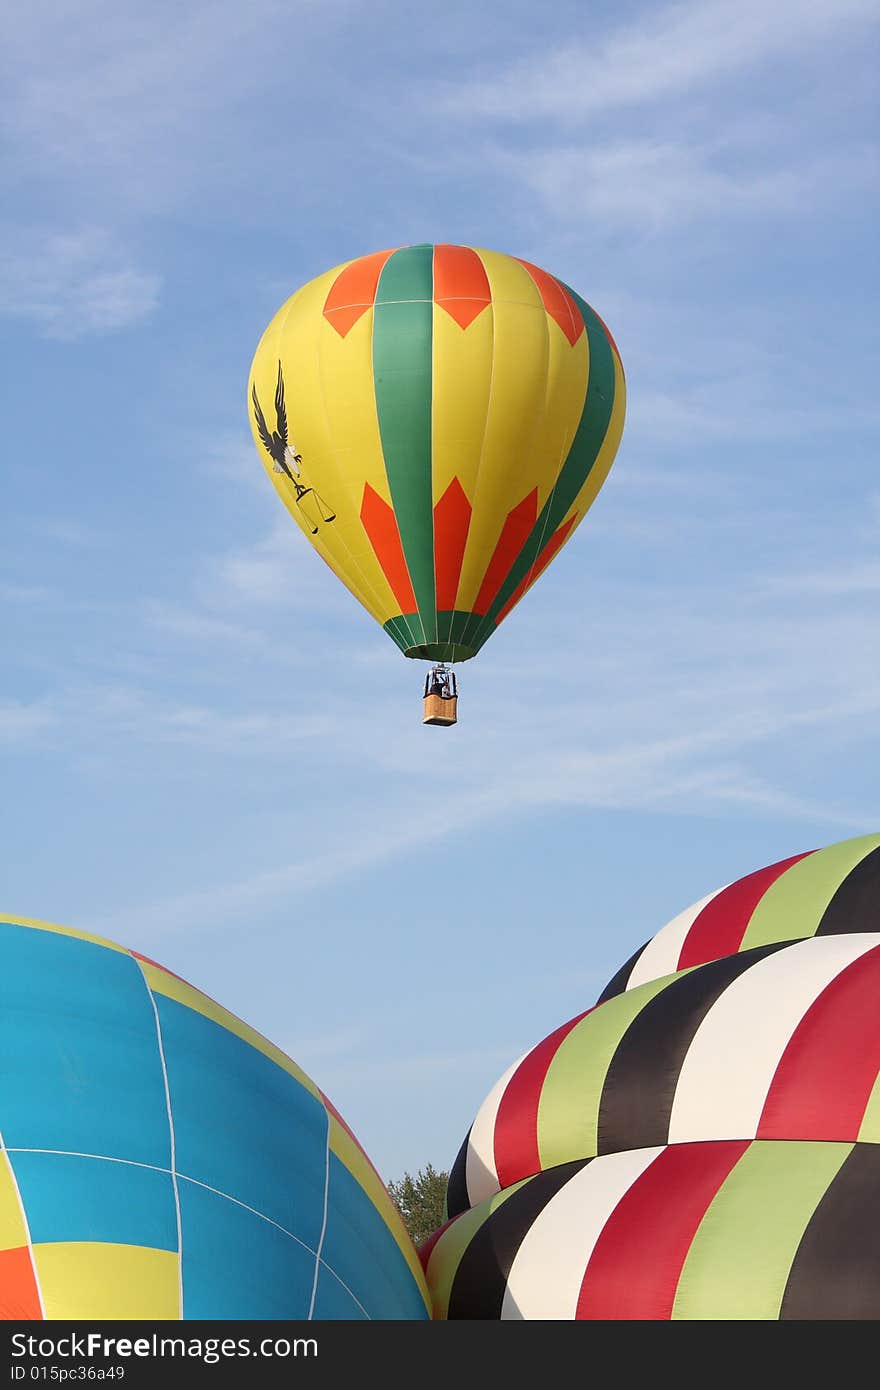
(210, 753)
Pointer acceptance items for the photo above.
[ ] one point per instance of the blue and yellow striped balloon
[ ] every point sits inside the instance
(162, 1160)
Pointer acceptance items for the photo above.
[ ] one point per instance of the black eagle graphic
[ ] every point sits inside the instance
(283, 454)
(276, 442)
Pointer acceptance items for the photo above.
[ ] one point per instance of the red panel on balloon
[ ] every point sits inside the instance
(827, 1072)
(719, 929)
(516, 1124)
(637, 1261)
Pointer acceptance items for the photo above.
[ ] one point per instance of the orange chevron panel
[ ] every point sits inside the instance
(461, 285)
(513, 537)
(556, 540)
(452, 518)
(557, 302)
(19, 1300)
(380, 524)
(353, 291)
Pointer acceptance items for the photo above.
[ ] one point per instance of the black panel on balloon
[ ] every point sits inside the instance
(640, 1083)
(618, 984)
(480, 1281)
(856, 904)
(836, 1271)
(457, 1199)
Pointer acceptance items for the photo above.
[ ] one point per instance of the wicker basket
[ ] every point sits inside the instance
(440, 711)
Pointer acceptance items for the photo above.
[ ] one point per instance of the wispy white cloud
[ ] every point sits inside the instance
(666, 51)
(197, 724)
(141, 111)
(269, 572)
(117, 117)
(99, 720)
(230, 458)
(70, 531)
(656, 182)
(21, 721)
(115, 81)
(72, 285)
(652, 184)
(135, 715)
(862, 578)
(743, 407)
(27, 595)
(278, 570)
(707, 762)
(191, 624)
(620, 128)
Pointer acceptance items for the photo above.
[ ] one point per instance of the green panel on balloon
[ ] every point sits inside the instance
(743, 1251)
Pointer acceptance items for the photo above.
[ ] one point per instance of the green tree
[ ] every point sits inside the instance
(421, 1201)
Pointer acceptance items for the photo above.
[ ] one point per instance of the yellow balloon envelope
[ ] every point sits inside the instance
(438, 420)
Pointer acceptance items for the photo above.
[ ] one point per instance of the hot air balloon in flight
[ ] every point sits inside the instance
(438, 421)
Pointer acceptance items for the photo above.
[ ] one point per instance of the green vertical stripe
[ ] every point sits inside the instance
(568, 1107)
(793, 906)
(588, 439)
(402, 347)
(741, 1256)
